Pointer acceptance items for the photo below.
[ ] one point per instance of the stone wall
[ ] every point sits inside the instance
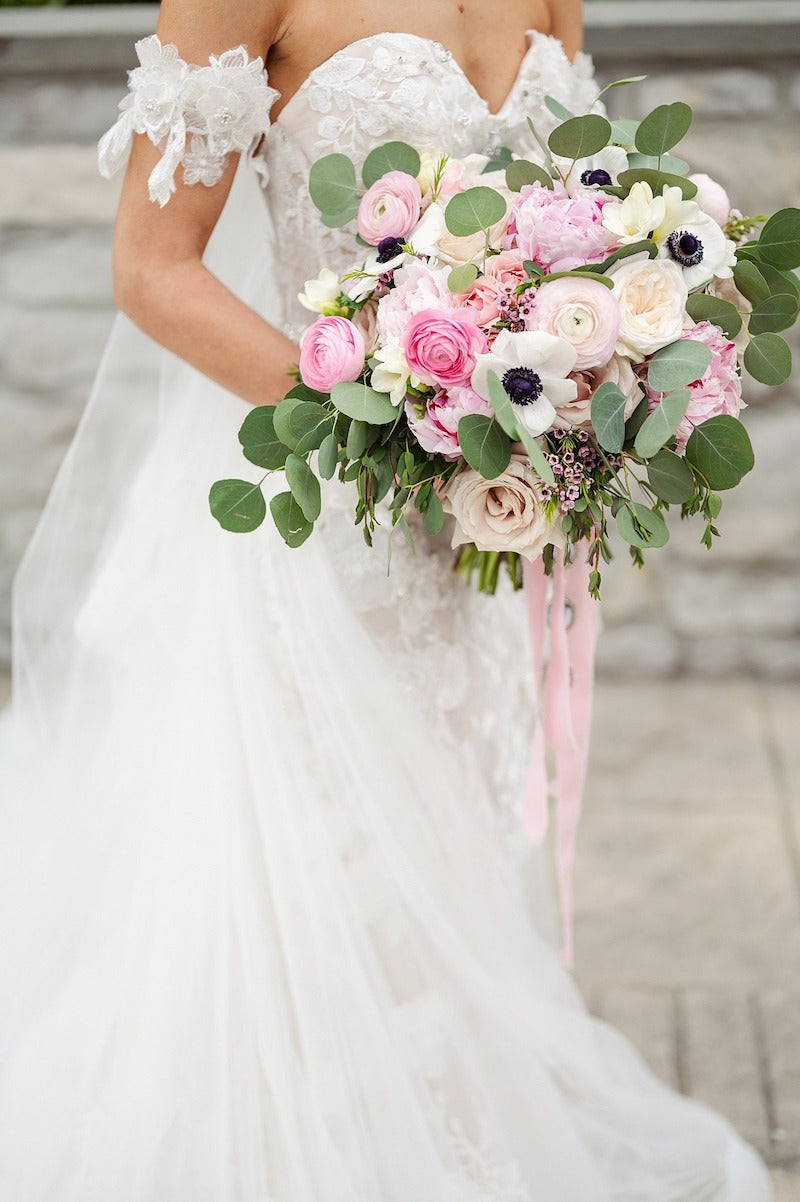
(736, 609)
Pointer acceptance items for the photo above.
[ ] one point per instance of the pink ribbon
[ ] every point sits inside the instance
(564, 681)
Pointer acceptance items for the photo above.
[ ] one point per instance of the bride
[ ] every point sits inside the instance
(272, 929)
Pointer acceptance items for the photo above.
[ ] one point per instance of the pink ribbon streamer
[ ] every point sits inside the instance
(564, 681)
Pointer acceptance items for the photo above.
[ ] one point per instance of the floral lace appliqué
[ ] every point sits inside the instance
(197, 116)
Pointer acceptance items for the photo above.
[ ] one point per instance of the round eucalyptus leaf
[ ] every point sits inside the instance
(462, 278)
(580, 137)
(335, 221)
(557, 108)
(659, 427)
(768, 359)
(608, 416)
(293, 526)
(670, 477)
(328, 457)
(702, 307)
(305, 487)
(364, 404)
(474, 210)
(332, 183)
(357, 438)
(777, 312)
(623, 132)
(642, 528)
(645, 246)
(393, 156)
(484, 444)
(501, 403)
(721, 451)
(658, 181)
(678, 364)
(751, 282)
(662, 129)
(238, 505)
(779, 243)
(669, 162)
(260, 444)
(280, 419)
(780, 281)
(520, 173)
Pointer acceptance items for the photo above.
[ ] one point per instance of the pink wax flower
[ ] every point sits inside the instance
(719, 391)
(332, 351)
(417, 286)
(558, 231)
(436, 430)
(441, 348)
(390, 208)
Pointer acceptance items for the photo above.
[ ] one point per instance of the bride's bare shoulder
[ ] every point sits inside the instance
(203, 27)
(566, 24)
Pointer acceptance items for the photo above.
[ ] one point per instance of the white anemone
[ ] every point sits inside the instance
(701, 250)
(535, 362)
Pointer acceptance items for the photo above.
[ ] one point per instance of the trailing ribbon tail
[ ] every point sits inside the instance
(564, 680)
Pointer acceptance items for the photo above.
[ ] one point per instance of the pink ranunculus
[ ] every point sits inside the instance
(583, 312)
(561, 232)
(484, 298)
(719, 391)
(390, 208)
(417, 286)
(332, 351)
(436, 430)
(441, 348)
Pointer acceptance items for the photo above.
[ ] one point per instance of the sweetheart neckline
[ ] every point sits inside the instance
(534, 36)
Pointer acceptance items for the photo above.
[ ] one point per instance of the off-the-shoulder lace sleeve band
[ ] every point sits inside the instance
(197, 116)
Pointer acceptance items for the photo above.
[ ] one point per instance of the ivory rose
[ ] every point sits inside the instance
(652, 296)
(505, 514)
(332, 352)
(390, 208)
(441, 348)
(584, 313)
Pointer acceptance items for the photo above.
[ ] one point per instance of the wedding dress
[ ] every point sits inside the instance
(272, 929)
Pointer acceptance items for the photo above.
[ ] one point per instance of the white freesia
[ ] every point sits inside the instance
(432, 164)
(504, 514)
(701, 250)
(534, 361)
(322, 294)
(642, 215)
(652, 295)
(390, 372)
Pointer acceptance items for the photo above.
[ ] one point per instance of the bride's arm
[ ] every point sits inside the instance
(567, 24)
(159, 278)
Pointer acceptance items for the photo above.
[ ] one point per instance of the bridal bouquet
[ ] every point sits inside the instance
(537, 348)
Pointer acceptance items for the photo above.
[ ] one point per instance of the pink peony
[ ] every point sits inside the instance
(719, 391)
(584, 313)
(390, 208)
(436, 430)
(561, 232)
(712, 198)
(441, 348)
(332, 351)
(417, 286)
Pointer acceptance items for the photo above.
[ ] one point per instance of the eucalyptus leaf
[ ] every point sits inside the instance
(462, 278)
(750, 281)
(293, 527)
(661, 424)
(393, 156)
(501, 403)
(768, 359)
(662, 129)
(669, 162)
(545, 149)
(364, 404)
(623, 133)
(646, 246)
(777, 312)
(335, 221)
(658, 180)
(678, 364)
(309, 425)
(260, 444)
(357, 438)
(670, 478)
(302, 392)
(536, 455)
(484, 444)
(305, 487)
(238, 505)
(433, 517)
(780, 281)
(280, 418)
(332, 183)
(720, 450)
(580, 137)
(608, 416)
(502, 157)
(779, 243)
(521, 172)
(558, 109)
(636, 420)
(328, 458)
(474, 210)
(703, 307)
(581, 273)
(642, 528)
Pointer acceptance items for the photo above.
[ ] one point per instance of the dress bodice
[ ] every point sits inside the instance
(398, 87)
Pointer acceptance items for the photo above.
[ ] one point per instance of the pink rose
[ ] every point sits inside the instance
(584, 313)
(719, 391)
(390, 208)
(441, 348)
(617, 371)
(417, 286)
(332, 351)
(561, 232)
(436, 430)
(484, 299)
(506, 268)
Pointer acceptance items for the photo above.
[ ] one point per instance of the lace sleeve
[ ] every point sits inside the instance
(197, 116)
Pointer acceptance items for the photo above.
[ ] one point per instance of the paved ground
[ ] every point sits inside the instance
(688, 895)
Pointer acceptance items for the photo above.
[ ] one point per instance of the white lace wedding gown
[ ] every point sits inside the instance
(271, 929)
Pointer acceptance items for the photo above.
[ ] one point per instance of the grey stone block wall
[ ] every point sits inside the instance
(736, 609)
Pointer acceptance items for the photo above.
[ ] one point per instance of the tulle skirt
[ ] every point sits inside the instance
(271, 928)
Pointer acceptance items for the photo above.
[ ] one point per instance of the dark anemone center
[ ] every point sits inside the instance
(388, 249)
(685, 248)
(523, 385)
(598, 176)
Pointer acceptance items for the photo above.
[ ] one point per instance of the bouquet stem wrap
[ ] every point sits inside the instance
(564, 682)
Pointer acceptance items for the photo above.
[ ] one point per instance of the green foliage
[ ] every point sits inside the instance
(462, 278)
(259, 441)
(658, 180)
(332, 185)
(663, 128)
(777, 312)
(238, 505)
(702, 307)
(678, 364)
(305, 487)
(608, 417)
(520, 173)
(474, 210)
(670, 478)
(485, 445)
(641, 527)
(364, 404)
(393, 156)
(779, 243)
(292, 525)
(721, 451)
(768, 359)
(580, 137)
(660, 425)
